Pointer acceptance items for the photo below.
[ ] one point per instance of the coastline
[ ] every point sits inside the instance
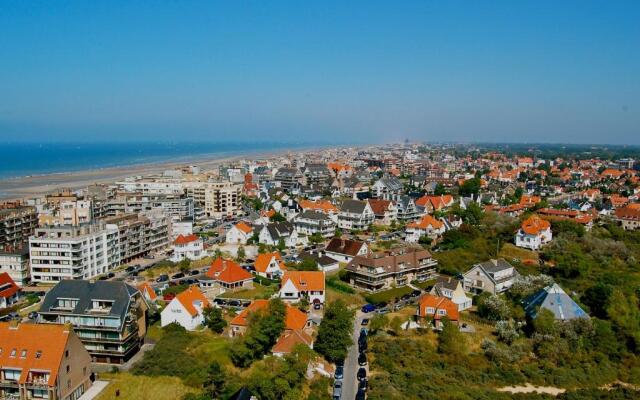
(29, 186)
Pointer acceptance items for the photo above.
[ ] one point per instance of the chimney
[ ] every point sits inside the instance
(68, 327)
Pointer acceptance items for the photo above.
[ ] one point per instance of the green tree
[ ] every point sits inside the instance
(396, 325)
(184, 265)
(307, 264)
(316, 238)
(378, 322)
(469, 187)
(214, 320)
(281, 245)
(334, 334)
(450, 340)
(240, 255)
(215, 381)
(472, 215)
(439, 189)
(597, 299)
(544, 323)
(277, 217)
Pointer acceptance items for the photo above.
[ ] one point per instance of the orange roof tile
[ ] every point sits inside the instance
(438, 303)
(7, 286)
(304, 280)
(534, 225)
(181, 239)
(263, 261)
(191, 295)
(320, 205)
(426, 222)
(48, 339)
(146, 288)
(294, 320)
(290, 339)
(244, 227)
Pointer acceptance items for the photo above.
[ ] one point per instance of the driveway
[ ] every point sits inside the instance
(350, 382)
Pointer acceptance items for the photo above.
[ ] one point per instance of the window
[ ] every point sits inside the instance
(68, 368)
(23, 354)
(38, 353)
(13, 353)
(66, 353)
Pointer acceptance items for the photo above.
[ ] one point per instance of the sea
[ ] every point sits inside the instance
(29, 159)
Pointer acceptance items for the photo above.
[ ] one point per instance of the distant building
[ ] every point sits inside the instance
(295, 320)
(15, 262)
(355, 215)
(42, 362)
(17, 223)
(109, 317)
(312, 222)
(190, 246)
(453, 290)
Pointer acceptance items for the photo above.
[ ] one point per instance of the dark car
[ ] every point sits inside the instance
(362, 359)
(110, 275)
(194, 272)
(103, 278)
(33, 315)
(182, 282)
(339, 374)
(337, 389)
(367, 308)
(234, 303)
(177, 276)
(317, 306)
(406, 297)
(381, 305)
(162, 278)
(130, 268)
(361, 395)
(219, 301)
(362, 373)
(415, 293)
(363, 385)
(362, 346)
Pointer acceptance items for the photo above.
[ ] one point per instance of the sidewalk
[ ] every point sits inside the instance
(94, 390)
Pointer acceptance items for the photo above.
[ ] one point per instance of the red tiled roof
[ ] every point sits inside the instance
(146, 288)
(181, 239)
(289, 339)
(294, 320)
(425, 222)
(244, 227)
(189, 296)
(438, 303)
(534, 225)
(263, 261)
(304, 280)
(7, 286)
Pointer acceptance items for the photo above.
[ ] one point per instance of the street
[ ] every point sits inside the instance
(350, 382)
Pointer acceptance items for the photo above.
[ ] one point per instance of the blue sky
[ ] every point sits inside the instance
(347, 71)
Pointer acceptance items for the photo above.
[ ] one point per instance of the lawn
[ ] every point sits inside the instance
(388, 295)
(258, 292)
(134, 387)
(509, 251)
(211, 346)
(349, 298)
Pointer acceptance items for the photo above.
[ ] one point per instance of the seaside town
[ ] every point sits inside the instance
(397, 271)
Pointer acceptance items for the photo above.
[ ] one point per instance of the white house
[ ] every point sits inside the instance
(239, 233)
(344, 250)
(270, 265)
(191, 247)
(9, 291)
(533, 233)
(186, 309)
(426, 226)
(453, 290)
(493, 276)
(272, 233)
(355, 214)
(296, 285)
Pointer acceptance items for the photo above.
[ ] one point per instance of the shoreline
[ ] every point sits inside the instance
(29, 186)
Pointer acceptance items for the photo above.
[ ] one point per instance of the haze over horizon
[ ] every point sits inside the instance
(349, 72)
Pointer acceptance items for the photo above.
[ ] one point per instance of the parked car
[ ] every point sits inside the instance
(149, 257)
(416, 293)
(234, 303)
(365, 322)
(110, 275)
(363, 385)
(162, 278)
(361, 395)
(14, 315)
(220, 301)
(362, 346)
(130, 268)
(33, 315)
(383, 310)
(362, 359)
(337, 389)
(194, 272)
(362, 373)
(367, 308)
(339, 374)
(317, 306)
(406, 297)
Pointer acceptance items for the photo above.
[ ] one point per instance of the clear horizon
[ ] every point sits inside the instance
(349, 73)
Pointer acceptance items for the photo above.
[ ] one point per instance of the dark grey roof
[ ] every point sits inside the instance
(312, 214)
(446, 283)
(291, 172)
(493, 266)
(353, 206)
(85, 292)
(391, 183)
(321, 259)
(556, 300)
(280, 229)
(242, 394)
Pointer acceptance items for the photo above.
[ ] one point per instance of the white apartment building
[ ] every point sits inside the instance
(75, 212)
(15, 262)
(151, 185)
(73, 252)
(220, 199)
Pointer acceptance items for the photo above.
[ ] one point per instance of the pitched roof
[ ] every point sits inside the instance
(7, 286)
(188, 297)
(294, 320)
(353, 206)
(628, 213)
(227, 271)
(320, 205)
(344, 246)
(304, 280)
(426, 222)
(438, 303)
(263, 260)
(534, 225)
(85, 292)
(289, 339)
(556, 300)
(242, 226)
(181, 239)
(146, 288)
(378, 206)
(50, 340)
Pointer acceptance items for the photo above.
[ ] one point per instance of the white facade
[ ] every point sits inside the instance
(73, 252)
(353, 220)
(176, 312)
(533, 242)
(16, 265)
(289, 292)
(193, 250)
(236, 235)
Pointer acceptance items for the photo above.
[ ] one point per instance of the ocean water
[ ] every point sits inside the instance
(25, 159)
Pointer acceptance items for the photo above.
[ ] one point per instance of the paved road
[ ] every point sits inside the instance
(350, 382)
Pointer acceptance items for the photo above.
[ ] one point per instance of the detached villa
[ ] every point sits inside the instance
(493, 276)
(534, 233)
(296, 285)
(186, 309)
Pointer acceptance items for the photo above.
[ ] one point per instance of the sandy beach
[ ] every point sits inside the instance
(36, 185)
